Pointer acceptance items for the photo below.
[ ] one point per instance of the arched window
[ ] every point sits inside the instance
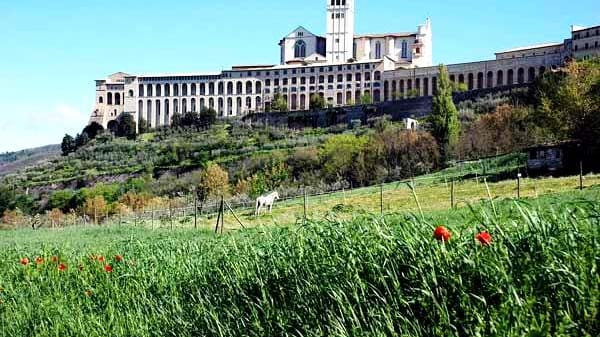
(238, 88)
(229, 88)
(141, 90)
(531, 74)
(202, 89)
(404, 49)
(183, 106)
(258, 88)
(167, 90)
(426, 86)
(193, 103)
(149, 113)
(220, 87)
(294, 102)
(175, 106)
(158, 90)
(480, 80)
(500, 78)
(202, 103)
(184, 90)
(167, 113)
(386, 91)
(130, 93)
(300, 49)
(109, 99)
(470, 82)
(158, 121)
(229, 106)
(248, 103)
(220, 107)
(193, 89)
(377, 50)
(100, 99)
(175, 89)
(377, 76)
(248, 88)
(511, 77)
(239, 105)
(376, 95)
(521, 76)
(490, 79)
(258, 106)
(211, 88)
(140, 109)
(211, 103)
(117, 99)
(149, 90)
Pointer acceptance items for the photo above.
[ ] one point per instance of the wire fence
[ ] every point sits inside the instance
(412, 195)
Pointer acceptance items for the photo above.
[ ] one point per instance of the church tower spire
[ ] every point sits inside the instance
(340, 30)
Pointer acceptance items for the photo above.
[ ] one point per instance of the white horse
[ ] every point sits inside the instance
(266, 201)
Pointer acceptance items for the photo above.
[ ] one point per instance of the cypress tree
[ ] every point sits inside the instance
(444, 116)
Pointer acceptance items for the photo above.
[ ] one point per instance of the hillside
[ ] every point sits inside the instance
(11, 162)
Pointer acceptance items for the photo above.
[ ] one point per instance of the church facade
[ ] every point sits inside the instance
(341, 66)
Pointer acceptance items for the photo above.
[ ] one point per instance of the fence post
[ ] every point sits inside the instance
(452, 200)
(305, 205)
(222, 213)
(152, 216)
(381, 198)
(581, 175)
(195, 212)
(171, 214)
(519, 186)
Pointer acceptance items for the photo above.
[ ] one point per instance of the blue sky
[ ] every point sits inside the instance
(51, 51)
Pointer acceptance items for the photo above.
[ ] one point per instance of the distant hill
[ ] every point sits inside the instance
(13, 161)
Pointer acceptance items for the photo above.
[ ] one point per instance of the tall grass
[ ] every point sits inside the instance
(365, 277)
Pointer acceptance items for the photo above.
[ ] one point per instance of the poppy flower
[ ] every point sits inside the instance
(62, 267)
(484, 238)
(55, 259)
(118, 258)
(108, 268)
(39, 260)
(101, 259)
(24, 261)
(442, 234)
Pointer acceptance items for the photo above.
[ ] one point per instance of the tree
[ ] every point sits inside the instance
(55, 216)
(175, 121)
(68, 145)
(92, 130)
(126, 126)
(82, 139)
(214, 182)
(190, 118)
(316, 102)
(444, 116)
(208, 117)
(143, 126)
(366, 99)
(279, 103)
(95, 207)
(339, 153)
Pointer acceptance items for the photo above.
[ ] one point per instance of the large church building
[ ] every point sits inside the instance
(341, 67)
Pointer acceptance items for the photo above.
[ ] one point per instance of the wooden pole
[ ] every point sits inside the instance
(195, 212)
(381, 198)
(234, 215)
(452, 200)
(581, 175)
(218, 220)
(519, 186)
(222, 213)
(152, 217)
(305, 205)
(171, 214)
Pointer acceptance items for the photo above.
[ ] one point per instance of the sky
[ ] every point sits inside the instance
(52, 51)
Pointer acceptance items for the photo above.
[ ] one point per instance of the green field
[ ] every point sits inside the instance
(331, 277)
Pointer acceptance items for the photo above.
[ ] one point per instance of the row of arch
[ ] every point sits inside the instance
(158, 112)
(241, 88)
(109, 99)
(396, 89)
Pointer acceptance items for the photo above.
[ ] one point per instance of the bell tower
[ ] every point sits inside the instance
(340, 30)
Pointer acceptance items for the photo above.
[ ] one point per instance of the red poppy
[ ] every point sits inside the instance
(101, 259)
(108, 268)
(55, 259)
(39, 260)
(118, 258)
(442, 234)
(484, 238)
(62, 267)
(24, 261)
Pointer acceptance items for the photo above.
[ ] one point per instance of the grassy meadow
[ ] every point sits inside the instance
(367, 276)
